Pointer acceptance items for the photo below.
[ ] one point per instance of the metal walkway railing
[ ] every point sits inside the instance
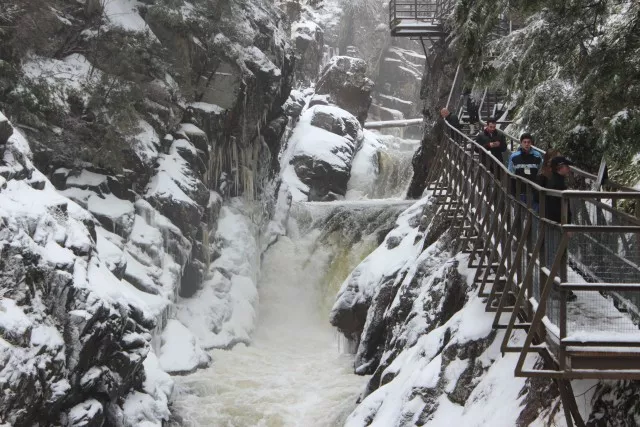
(554, 281)
(527, 264)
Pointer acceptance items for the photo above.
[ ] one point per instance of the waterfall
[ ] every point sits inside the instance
(298, 371)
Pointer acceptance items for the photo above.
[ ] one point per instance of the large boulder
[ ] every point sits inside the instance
(320, 153)
(345, 79)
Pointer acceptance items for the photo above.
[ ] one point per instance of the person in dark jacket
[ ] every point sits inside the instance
(546, 171)
(472, 111)
(557, 181)
(525, 162)
(493, 141)
(553, 211)
(451, 118)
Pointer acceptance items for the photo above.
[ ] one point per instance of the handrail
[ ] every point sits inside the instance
(393, 123)
(544, 190)
(455, 81)
(577, 171)
(528, 258)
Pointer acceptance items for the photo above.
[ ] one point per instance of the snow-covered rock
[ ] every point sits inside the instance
(223, 312)
(317, 162)
(64, 316)
(180, 352)
(401, 247)
(150, 406)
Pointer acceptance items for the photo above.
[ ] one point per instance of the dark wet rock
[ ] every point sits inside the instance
(308, 39)
(326, 182)
(183, 213)
(393, 242)
(272, 135)
(6, 130)
(615, 403)
(59, 178)
(345, 80)
(192, 279)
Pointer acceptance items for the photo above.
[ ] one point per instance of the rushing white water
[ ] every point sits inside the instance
(382, 168)
(293, 374)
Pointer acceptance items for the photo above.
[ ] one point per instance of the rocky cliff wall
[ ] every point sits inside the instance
(423, 335)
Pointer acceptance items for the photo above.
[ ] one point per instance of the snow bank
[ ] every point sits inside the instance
(180, 352)
(223, 312)
(124, 14)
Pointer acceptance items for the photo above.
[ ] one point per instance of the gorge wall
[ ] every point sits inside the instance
(127, 125)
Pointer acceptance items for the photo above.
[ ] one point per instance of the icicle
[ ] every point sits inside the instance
(205, 246)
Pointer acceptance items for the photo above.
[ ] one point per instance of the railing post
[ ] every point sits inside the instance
(563, 325)
(565, 220)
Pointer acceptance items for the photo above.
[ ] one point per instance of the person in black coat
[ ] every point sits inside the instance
(557, 181)
(553, 211)
(454, 121)
(492, 140)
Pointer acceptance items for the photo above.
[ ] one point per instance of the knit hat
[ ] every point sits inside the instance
(560, 160)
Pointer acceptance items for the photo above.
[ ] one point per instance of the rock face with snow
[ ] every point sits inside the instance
(439, 73)
(345, 80)
(398, 85)
(169, 111)
(424, 336)
(74, 335)
(349, 313)
(309, 43)
(422, 333)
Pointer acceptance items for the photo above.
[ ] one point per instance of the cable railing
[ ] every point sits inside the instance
(556, 279)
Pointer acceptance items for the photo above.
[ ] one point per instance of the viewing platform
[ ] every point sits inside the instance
(423, 19)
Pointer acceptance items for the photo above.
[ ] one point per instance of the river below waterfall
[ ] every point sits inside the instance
(294, 373)
(297, 372)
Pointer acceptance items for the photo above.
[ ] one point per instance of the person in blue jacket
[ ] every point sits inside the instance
(525, 162)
